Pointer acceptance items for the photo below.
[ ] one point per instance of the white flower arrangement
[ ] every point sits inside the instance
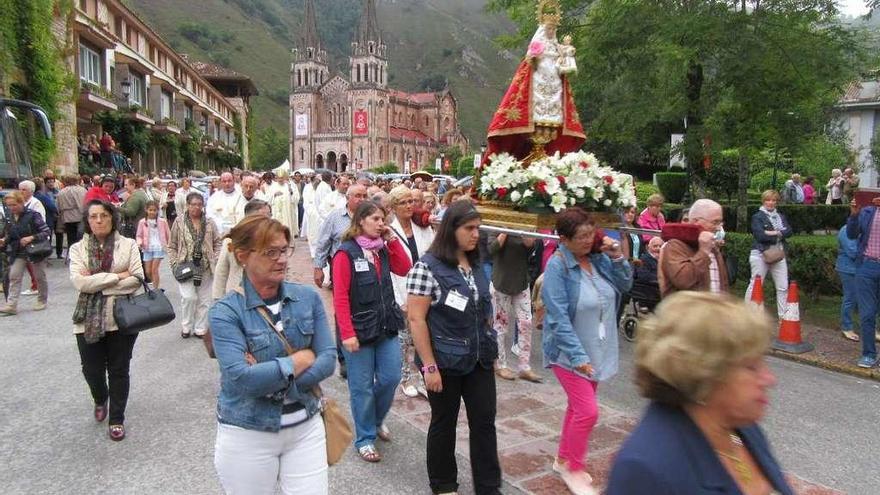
(557, 182)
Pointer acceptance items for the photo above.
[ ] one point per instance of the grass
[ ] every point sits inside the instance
(821, 311)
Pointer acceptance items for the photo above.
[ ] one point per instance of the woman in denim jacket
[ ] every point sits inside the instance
(581, 292)
(270, 430)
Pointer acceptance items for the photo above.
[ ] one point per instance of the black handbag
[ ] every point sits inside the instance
(135, 313)
(184, 271)
(39, 249)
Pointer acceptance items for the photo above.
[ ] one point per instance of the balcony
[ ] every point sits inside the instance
(167, 126)
(94, 98)
(142, 115)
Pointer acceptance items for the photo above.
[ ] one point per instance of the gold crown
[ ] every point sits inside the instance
(549, 12)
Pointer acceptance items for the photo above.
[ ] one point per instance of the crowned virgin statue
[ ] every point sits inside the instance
(537, 115)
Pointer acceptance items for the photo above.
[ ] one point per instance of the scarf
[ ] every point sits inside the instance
(369, 243)
(90, 307)
(774, 217)
(195, 240)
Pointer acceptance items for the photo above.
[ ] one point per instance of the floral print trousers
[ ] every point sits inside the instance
(506, 308)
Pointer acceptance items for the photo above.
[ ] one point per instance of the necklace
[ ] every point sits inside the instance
(743, 471)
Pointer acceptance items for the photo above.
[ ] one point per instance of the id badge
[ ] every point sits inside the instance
(456, 301)
(361, 266)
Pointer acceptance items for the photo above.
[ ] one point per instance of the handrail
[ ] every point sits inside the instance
(539, 235)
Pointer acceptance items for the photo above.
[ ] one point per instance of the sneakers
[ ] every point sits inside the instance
(868, 362)
(39, 306)
(578, 482)
(30, 292)
(409, 390)
(8, 310)
(505, 373)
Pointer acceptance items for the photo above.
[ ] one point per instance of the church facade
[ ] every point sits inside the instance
(350, 122)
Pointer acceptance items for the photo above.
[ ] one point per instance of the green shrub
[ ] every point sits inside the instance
(810, 261)
(804, 219)
(643, 190)
(672, 185)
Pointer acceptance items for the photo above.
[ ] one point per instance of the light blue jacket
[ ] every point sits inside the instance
(847, 253)
(560, 293)
(251, 396)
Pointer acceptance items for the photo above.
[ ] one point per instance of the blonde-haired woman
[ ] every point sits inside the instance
(652, 216)
(835, 188)
(369, 321)
(700, 361)
(416, 240)
(770, 229)
(23, 227)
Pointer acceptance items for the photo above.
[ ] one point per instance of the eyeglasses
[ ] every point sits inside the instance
(715, 223)
(197, 205)
(275, 253)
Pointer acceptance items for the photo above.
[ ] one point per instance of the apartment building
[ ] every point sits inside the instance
(122, 64)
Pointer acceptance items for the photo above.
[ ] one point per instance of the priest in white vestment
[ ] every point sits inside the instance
(335, 199)
(283, 198)
(224, 205)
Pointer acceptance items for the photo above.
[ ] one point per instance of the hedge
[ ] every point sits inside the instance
(673, 185)
(810, 261)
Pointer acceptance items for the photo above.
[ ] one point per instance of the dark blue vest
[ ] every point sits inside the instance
(461, 339)
(374, 312)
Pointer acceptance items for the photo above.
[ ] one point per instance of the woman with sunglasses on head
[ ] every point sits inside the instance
(449, 309)
(369, 321)
(103, 266)
(192, 253)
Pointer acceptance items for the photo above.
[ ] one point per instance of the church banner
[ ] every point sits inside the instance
(361, 127)
(301, 125)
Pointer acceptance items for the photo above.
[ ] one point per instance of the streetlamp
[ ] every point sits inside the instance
(126, 89)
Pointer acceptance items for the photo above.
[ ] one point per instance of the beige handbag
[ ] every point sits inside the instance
(337, 430)
(773, 254)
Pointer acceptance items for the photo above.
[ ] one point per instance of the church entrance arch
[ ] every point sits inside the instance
(343, 162)
(319, 161)
(331, 161)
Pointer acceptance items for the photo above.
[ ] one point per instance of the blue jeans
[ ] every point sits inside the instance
(487, 269)
(373, 375)
(868, 294)
(849, 304)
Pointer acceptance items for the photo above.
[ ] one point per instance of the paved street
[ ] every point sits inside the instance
(822, 424)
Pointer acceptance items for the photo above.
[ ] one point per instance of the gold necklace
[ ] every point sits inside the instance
(743, 471)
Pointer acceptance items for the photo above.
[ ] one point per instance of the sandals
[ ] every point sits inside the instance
(383, 433)
(369, 453)
(850, 335)
(116, 432)
(100, 412)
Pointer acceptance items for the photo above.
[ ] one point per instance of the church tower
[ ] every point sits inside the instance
(308, 73)
(368, 62)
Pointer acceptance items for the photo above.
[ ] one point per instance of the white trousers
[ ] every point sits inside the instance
(251, 462)
(779, 272)
(194, 304)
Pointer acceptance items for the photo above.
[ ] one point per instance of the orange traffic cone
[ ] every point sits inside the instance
(790, 339)
(757, 299)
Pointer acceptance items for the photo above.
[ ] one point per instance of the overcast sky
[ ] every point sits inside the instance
(852, 7)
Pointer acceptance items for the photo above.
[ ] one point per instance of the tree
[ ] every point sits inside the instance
(269, 149)
(748, 74)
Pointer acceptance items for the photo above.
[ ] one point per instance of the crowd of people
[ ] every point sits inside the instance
(424, 301)
(840, 189)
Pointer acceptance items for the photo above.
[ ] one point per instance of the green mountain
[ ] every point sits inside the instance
(431, 43)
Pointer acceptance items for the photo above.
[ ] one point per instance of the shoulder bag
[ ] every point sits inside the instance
(135, 313)
(184, 271)
(337, 429)
(39, 249)
(773, 254)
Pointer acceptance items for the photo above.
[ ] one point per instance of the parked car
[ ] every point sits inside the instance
(15, 155)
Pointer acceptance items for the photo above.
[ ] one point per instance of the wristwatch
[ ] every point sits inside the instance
(431, 368)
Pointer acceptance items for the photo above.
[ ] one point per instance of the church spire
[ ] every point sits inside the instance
(368, 29)
(309, 43)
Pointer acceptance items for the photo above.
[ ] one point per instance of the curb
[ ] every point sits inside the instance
(870, 374)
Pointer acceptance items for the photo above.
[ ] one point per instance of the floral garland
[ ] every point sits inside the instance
(557, 182)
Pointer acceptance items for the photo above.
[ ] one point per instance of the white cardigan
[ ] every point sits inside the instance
(424, 236)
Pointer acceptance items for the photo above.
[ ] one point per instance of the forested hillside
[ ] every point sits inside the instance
(431, 43)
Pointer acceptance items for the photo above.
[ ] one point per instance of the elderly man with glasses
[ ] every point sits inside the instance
(693, 260)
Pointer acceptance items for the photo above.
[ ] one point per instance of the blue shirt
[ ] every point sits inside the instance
(847, 252)
(564, 338)
(251, 396)
(330, 236)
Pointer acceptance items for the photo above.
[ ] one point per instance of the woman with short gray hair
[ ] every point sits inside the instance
(700, 361)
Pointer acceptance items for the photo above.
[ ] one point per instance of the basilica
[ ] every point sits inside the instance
(350, 122)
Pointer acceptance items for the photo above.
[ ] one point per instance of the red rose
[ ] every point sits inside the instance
(541, 187)
(561, 179)
(609, 180)
(585, 165)
(501, 192)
